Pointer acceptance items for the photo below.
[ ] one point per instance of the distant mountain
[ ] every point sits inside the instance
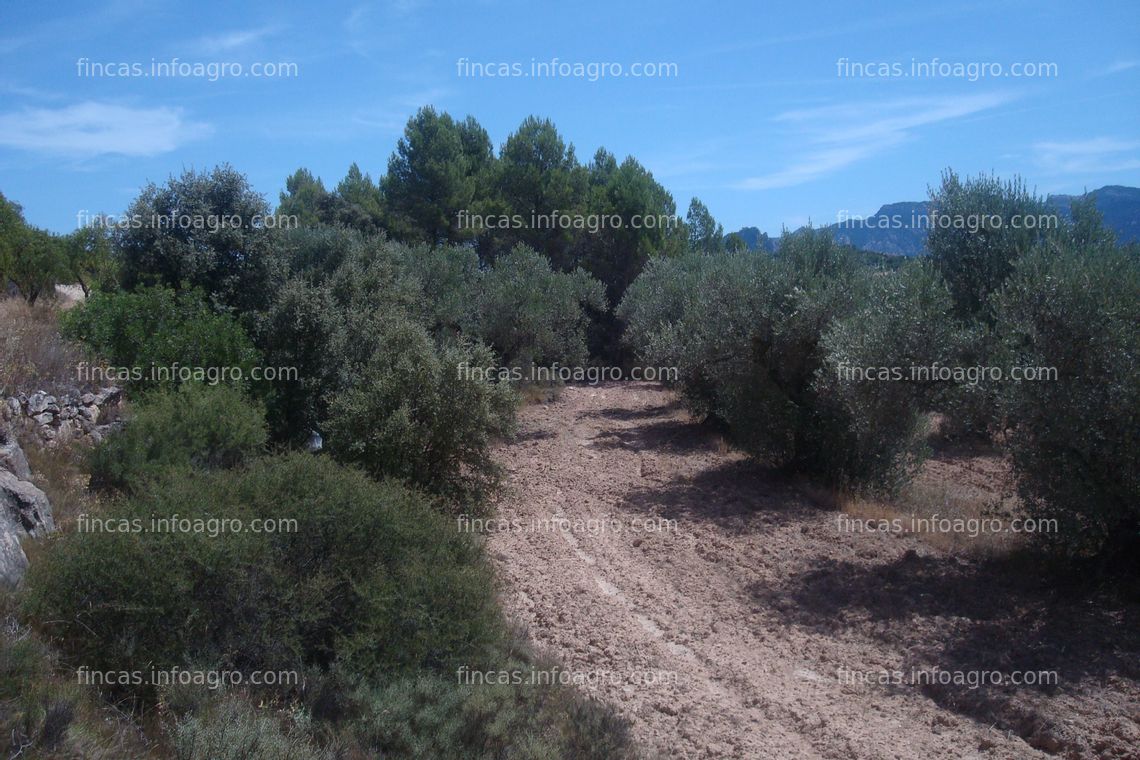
(755, 239)
(1119, 205)
(899, 229)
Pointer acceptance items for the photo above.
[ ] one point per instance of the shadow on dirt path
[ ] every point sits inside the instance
(726, 615)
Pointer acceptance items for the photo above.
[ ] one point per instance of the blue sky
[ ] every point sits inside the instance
(761, 117)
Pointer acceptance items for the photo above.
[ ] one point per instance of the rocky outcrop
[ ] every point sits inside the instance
(12, 456)
(51, 421)
(61, 419)
(24, 509)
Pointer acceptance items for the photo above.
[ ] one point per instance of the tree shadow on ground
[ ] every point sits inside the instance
(622, 414)
(1006, 613)
(537, 434)
(738, 496)
(668, 436)
(1003, 615)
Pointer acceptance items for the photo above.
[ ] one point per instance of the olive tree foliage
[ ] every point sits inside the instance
(532, 315)
(416, 410)
(88, 260)
(978, 229)
(384, 393)
(395, 348)
(1072, 306)
(906, 320)
(778, 350)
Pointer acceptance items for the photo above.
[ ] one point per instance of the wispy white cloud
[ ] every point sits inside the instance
(29, 92)
(846, 29)
(811, 166)
(384, 123)
(1117, 67)
(405, 7)
(235, 41)
(372, 29)
(93, 129)
(841, 135)
(1097, 155)
(694, 159)
(430, 96)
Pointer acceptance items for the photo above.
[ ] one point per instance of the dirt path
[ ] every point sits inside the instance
(716, 606)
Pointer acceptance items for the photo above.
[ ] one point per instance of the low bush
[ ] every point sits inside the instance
(139, 334)
(45, 713)
(348, 572)
(434, 717)
(233, 729)
(201, 426)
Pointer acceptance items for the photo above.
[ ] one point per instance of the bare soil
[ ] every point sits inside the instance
(723, 612)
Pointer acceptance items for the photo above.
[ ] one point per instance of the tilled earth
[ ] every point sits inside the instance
(726, 615)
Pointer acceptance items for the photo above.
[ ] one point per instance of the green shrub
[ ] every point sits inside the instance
(671, 320)
(199, 426)
(390, 368)
(139, 334)
(46, 713)
(317, 252)
(435, 717)
(365, 575)
(1075, 440)
(235, 730)
(446, 277)
(422, 412)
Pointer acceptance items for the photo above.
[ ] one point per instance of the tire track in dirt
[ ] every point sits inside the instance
(647, 558)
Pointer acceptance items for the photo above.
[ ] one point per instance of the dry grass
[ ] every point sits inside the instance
(952, 504)
(538, 393)
(60, 472)
(33, 355)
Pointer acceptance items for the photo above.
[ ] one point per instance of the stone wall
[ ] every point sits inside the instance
(62, 419)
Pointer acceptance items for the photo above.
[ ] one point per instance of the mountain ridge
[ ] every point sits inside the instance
(899, 229)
